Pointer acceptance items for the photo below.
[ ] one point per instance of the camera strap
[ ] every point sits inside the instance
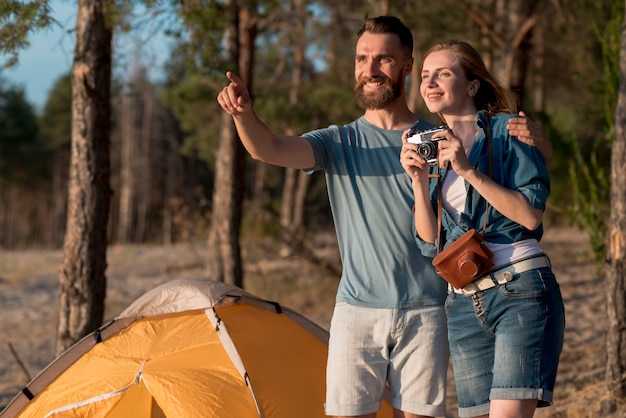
(440, 197)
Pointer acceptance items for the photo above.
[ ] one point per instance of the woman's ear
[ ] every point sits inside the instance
(473, 88)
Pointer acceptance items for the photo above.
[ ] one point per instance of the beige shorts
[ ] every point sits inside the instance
(371, 347)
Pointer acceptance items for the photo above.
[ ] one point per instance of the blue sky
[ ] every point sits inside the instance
(51, 53)
(48, 57)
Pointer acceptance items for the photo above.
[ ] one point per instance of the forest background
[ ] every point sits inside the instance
(166, 145)
(165, 136)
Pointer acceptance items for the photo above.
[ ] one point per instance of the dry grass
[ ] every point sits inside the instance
(28, 286)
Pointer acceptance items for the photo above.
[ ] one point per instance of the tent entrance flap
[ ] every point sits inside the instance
(133, 398)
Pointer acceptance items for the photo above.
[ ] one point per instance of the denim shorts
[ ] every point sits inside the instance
(369, 347)
(505, 342)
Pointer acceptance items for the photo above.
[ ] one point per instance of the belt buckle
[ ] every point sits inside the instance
(470, 289)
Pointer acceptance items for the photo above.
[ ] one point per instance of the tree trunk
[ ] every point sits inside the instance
(173, 174)
(515, 20)
(294, 186)
(127, 164)
(616, 271)
(82, 280)
(538, 83)
(302, 190)
(144, 189)
(257, 203)
(224, 251)
(59, 194)
(414, 97)
(286, 211)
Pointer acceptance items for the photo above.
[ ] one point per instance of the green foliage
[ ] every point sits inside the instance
(197, 63)
(591, 192)
(581, 39)
(609, 40)
(589, 175)
(56, 119)
(17, 19)
(204, 29)
(575, 67)
(193, 102)
(330, 103)
(20, 150)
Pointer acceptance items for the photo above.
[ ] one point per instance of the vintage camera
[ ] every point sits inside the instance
(427, 145)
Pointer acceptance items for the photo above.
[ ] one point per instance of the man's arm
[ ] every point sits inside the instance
(531, 133)
(259, 141)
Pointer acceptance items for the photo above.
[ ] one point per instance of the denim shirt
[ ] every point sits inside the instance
(516, 166)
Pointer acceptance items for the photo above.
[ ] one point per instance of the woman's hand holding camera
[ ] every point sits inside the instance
(414, 165)
(452, 151)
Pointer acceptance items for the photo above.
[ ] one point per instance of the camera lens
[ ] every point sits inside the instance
(427, 150)
(470, 268)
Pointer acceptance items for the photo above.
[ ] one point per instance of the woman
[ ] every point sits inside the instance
(506, 328)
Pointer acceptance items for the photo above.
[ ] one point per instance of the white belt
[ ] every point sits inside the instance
(503, 275)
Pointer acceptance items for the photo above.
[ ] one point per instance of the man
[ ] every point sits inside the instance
(388, 326)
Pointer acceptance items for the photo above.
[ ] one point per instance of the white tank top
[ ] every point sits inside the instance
(453, 188)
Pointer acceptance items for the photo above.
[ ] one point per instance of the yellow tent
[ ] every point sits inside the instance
(189, 348)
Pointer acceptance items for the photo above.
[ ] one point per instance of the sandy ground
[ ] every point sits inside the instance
(29, 285)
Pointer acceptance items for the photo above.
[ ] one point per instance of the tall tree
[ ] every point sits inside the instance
(296, 182)
(616, 271)
(224, 249)
(82, 280)
(515, 21)
(509, 28)
(136, 122)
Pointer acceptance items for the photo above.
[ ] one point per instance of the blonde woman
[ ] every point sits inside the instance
(505, 329)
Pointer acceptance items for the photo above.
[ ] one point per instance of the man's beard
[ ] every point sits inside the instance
(379, 100)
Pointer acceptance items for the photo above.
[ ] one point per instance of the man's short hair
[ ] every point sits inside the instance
(388, 24)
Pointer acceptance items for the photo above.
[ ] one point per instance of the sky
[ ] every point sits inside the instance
(48, 57)
(51, 52)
